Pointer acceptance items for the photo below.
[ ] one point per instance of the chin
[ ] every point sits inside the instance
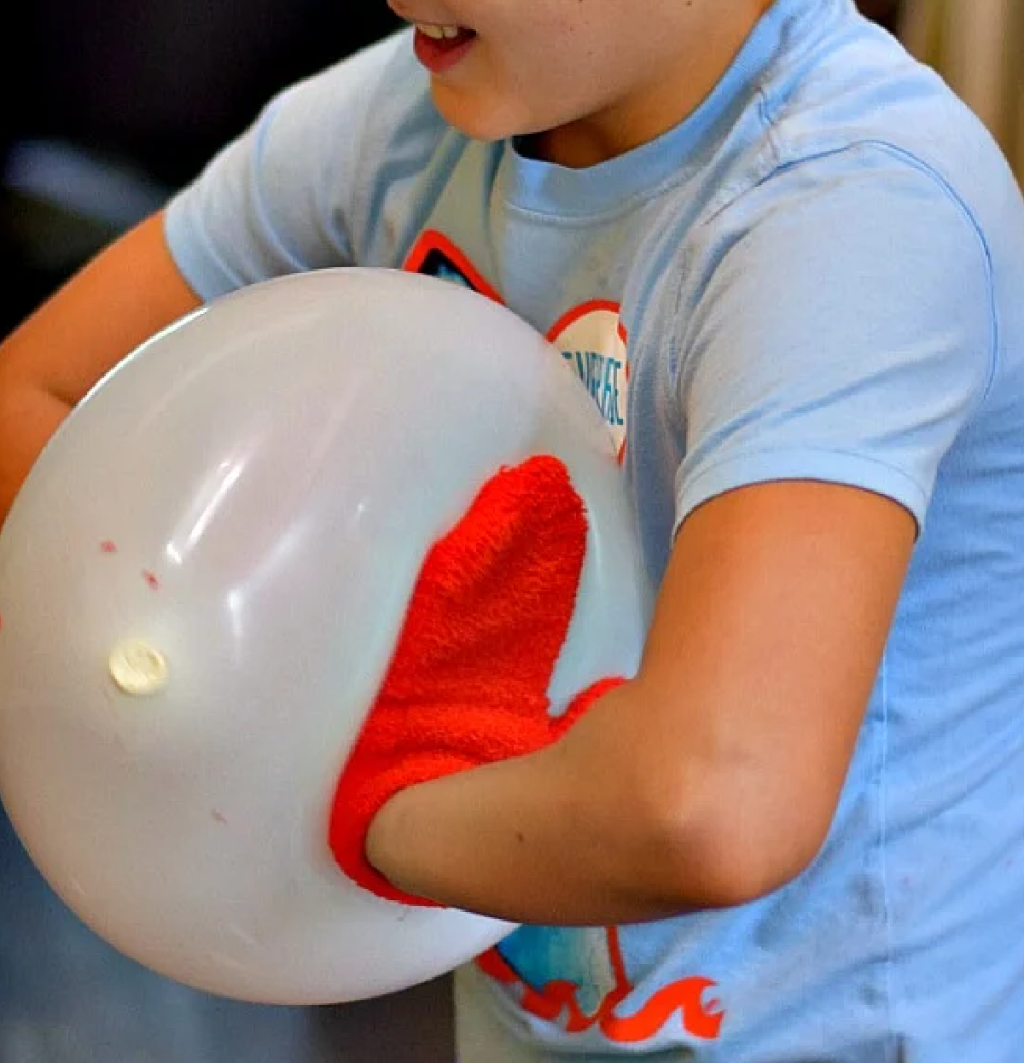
(473, 117)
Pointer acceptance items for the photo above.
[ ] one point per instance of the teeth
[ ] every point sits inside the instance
(438, 33)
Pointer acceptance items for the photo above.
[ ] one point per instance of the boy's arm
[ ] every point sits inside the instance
(128, 292)
(712, 777)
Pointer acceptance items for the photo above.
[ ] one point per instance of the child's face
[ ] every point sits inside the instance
(590, 78)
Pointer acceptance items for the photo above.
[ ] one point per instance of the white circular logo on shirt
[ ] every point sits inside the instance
(593, 341)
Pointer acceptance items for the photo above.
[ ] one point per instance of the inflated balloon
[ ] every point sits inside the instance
(202, 586)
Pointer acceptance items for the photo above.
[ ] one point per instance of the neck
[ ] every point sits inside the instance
(662, 102)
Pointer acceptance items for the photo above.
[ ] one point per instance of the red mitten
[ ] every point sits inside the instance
(468, 681)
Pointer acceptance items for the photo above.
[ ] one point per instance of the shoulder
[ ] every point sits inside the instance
(860, 158)
(841, 130)
(328, 174)
(842, 104)
(862, 109)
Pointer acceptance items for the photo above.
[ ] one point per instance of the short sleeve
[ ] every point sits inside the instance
(839, 326)
(291, 193)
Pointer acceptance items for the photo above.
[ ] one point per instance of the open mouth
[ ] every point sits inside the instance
(439, 48)
(444, 33)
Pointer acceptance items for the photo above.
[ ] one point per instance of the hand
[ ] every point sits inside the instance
(469, 678)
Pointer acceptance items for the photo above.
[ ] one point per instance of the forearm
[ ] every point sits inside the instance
(714, 777)
(28, 418)
(125, 295)
(568, 835)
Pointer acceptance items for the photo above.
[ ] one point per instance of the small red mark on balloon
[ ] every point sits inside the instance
(218, 816)
(108, 546)
(152, 581)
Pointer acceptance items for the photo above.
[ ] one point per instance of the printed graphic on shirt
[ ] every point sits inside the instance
(434, 255)
(591, 337)
(576, 977)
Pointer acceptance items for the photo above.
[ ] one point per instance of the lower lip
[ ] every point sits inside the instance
(439, 56)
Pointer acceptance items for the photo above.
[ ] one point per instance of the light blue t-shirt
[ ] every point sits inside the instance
(820, 274)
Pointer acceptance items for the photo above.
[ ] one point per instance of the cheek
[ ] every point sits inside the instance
(555, 34)
(576, 56)
(524, 73)
(553, 63)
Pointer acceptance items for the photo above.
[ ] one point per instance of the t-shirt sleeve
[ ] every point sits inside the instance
(294, 192)
(838, 326)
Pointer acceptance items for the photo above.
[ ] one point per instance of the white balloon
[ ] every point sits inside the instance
(201, 584)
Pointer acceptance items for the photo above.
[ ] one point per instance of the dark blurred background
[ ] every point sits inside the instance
(109, 106)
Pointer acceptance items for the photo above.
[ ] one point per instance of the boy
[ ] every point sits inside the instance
(801, 826)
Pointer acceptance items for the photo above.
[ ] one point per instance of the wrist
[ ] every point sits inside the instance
(378, 837)
(384, 851)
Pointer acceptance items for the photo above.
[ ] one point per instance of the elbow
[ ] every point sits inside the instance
(732, 869)
(719, 849)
